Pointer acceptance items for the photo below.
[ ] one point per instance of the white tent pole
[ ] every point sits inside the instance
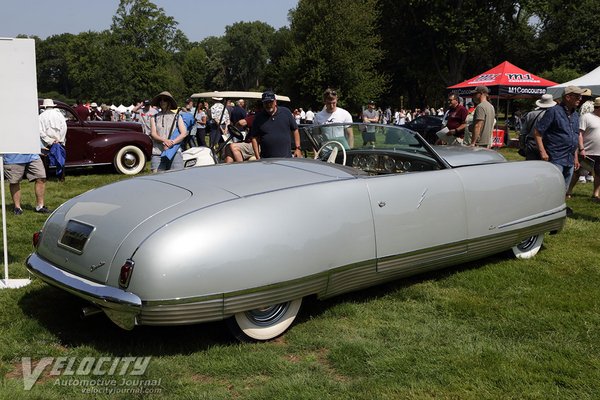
(7, 283)
(4, 246)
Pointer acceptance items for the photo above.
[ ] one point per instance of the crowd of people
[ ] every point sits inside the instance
(558, 131)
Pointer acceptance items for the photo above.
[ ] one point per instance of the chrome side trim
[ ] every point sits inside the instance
(120, 306)
(126, 309)
(549, 213)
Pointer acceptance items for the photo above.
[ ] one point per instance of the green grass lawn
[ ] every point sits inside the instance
(498, 328)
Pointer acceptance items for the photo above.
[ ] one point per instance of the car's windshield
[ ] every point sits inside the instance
(372, 148)
(366, 136)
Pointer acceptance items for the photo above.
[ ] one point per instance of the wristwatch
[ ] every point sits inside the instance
(298, 148)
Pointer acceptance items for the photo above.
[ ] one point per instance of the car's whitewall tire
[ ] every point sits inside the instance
(529, 247)
(130, 160)
(265, 323)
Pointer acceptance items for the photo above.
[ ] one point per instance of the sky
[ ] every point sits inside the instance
(197, 18)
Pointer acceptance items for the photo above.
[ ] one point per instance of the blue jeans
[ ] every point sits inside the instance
(567, 172)
(158, 163)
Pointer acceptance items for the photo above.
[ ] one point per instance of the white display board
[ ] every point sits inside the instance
(19, 127)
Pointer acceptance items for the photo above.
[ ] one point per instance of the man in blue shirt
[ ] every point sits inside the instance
(30, 166)
(271, 129)
(557, 133)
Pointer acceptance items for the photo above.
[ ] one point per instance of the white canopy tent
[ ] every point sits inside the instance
(588, 81)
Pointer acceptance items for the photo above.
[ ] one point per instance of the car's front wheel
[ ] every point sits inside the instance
(264, 323)
(130, 160)
(529, 247)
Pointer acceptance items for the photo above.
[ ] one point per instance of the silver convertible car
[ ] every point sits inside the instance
(246, 242)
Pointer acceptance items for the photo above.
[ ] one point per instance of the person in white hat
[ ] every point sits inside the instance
(53, 133)
(53, 126)
(527, 145)
(557, 134)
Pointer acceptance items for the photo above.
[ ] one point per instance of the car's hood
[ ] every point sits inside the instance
(114, 126)
(116, 218)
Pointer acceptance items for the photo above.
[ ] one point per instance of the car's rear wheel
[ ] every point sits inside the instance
(264, 323)
(529, 247)
(130, 160)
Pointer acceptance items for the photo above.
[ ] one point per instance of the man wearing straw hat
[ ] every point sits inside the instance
(529, 148)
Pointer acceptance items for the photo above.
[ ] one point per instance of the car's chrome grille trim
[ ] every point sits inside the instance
(340, 280)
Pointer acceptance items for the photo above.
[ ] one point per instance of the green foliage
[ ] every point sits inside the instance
(398, 52)
(247, 53)
(334, 45)
(492, 329)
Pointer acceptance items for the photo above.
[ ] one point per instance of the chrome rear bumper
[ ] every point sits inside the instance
(120, 306)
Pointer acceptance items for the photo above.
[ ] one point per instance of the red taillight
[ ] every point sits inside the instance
(36, 238)
(125, 275)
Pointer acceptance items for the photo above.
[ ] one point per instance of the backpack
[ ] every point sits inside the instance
(527, 143)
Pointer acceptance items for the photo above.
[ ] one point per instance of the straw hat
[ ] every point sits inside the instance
(546, 101)
(48, 103)
(166, 95)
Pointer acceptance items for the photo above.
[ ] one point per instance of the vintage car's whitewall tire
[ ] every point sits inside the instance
(334, 152)
(265, 323)
(130, 160)
(529, 247)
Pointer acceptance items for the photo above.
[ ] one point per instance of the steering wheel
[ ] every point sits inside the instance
(236, 133)
(334, 152)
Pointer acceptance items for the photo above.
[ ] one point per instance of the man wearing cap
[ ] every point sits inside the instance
(483, 118)
(589, 141)
(271, 130)
(145, 112)
(557, 133)
(587, 102)
(530, 150)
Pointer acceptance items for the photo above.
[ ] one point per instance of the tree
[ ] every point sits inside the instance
(52, 68)
(335, 44)
(145, 39)
(247, 53)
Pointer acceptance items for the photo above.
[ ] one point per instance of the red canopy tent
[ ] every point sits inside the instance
(505, 81)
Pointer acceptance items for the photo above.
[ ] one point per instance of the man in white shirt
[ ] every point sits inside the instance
(53, 126)
(332, 114)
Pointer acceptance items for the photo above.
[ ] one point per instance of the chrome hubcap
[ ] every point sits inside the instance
(129, 160)
(268, 315)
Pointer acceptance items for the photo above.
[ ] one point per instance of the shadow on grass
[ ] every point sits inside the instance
(313, 307)
(59, 313)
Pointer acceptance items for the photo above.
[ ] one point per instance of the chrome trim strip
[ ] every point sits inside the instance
(544, 214)
(117, 301)
(126, 309)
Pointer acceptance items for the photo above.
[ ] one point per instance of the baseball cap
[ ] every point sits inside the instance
(573, 89)
(268, 96)
(480, 89)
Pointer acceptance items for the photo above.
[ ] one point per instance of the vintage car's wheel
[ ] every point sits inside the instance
(334, 146)
(528, 247)
(130, 160)
(264, 323)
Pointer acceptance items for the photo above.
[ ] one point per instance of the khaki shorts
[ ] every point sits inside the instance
(14, 173)
(245, 149)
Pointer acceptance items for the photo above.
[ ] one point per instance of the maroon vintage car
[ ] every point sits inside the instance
(91, 143)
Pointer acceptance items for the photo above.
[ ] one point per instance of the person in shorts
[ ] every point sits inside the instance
(30, 166)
